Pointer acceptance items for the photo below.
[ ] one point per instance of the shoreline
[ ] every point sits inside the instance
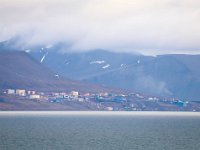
(98, 113)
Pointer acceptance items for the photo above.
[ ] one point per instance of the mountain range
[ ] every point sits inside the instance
(19, 70)
(172, 75)
(175, 76)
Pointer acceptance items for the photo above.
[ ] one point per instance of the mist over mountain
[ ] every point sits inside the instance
(150, 27)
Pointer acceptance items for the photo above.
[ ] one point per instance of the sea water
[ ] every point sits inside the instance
(99, 131)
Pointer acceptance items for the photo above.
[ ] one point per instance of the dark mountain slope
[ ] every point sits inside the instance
(20, 70)
(165, 75)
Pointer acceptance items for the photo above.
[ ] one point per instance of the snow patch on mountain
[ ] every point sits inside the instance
(106, 66)
(43, 57)
(98, 62)
(56, 75)
(28, 51)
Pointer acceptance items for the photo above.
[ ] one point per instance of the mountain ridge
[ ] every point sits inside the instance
(173, 75)
(21, 70)
(170, 75)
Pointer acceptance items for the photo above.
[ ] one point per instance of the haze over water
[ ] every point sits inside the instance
(103, 130)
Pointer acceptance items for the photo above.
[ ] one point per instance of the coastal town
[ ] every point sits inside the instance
(100, 101)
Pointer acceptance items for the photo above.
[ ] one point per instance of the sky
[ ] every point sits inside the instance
(150, 27)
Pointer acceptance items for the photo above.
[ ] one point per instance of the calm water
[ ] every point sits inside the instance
(85, 132)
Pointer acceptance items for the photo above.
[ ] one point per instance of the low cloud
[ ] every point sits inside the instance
(149, 27)
(152, 86)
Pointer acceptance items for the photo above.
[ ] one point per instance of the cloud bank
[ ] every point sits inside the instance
(149, 27)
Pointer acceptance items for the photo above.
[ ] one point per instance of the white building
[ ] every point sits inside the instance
(31, 92)
(34, 96)
(109, 108)
(21, 92)
(74, 93)
(10, 91)
(81, 99)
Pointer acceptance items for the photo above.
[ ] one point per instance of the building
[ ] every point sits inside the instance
(21, 92)
(103, 94)
(86, 94)
(34, 96)
(63, 93)
(109, 108)
(55, 94)
(74, 93)
(10, 91)
(81, 99)
(119, 99)
(31, 92)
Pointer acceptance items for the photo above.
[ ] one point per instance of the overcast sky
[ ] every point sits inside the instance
(146, 26)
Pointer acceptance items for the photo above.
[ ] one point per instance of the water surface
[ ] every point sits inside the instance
(101, 131)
